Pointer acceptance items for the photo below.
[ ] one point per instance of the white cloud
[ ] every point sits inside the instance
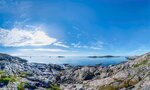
(78, 45)
(95, 46)
(23, 37)
(44, 50)
(60, 44)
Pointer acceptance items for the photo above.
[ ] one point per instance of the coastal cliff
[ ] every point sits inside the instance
(18, 74)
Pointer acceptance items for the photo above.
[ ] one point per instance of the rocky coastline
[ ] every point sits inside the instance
(18, 74)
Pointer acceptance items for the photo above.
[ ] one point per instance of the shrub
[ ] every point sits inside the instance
(21, 86)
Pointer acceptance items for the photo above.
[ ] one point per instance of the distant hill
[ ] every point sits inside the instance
(106, 56)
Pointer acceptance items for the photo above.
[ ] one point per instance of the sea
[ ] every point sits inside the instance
(75, 60)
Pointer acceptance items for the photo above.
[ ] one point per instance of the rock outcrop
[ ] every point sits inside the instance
(18, 74)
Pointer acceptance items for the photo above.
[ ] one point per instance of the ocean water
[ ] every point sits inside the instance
(72, 60)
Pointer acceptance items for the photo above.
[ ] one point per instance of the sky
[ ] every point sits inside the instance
(74, 27)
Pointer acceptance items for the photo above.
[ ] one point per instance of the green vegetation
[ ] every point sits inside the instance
(123, 84)
(24, 85)
(2, 72)
(6, 79)
(141, 63)
(53, 87)
(21, 86)
(27, 85)
(9, 78)
(24, 74)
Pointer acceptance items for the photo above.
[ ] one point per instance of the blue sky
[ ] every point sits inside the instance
(74, 27)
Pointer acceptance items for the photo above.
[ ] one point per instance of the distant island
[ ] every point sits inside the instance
(106, 56)
(61, 56)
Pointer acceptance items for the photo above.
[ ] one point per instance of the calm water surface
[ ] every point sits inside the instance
(77, 60)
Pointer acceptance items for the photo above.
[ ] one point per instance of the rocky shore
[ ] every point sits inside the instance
(18, 74)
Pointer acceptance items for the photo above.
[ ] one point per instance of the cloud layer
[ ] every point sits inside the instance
(43, 50)
(95, 46)
(60, 44)
(22, 37)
